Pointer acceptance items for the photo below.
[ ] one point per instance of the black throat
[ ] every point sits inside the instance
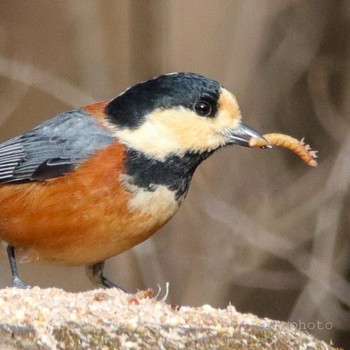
(174, 172)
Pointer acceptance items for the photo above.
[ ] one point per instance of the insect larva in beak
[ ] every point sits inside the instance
(298, 147)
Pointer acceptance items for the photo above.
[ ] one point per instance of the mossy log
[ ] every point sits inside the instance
(111, 319)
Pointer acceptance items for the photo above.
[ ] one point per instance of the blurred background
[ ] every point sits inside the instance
(259, 229)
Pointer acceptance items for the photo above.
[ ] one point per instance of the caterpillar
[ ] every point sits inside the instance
(298, 147)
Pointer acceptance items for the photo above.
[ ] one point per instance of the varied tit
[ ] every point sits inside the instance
(93, 182)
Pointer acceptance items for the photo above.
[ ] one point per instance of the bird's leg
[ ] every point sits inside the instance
(95, 274)
(17, 282)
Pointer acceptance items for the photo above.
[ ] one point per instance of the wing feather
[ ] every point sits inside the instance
(53, 148)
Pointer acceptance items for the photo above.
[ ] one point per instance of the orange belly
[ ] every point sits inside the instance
(83, 217)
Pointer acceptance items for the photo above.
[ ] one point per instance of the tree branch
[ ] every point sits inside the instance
(111, 319)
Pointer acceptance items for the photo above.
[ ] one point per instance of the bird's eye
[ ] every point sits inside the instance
(202, 108)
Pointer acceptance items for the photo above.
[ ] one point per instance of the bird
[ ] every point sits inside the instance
(95, 181)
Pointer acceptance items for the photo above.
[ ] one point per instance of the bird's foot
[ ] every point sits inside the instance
(95, 274)
(18, 283)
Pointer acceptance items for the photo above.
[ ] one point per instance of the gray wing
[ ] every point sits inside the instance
(53, 148)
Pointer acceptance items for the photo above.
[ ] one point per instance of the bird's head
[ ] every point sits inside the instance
(177, 114)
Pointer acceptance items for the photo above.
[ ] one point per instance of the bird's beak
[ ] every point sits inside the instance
(241, 135)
